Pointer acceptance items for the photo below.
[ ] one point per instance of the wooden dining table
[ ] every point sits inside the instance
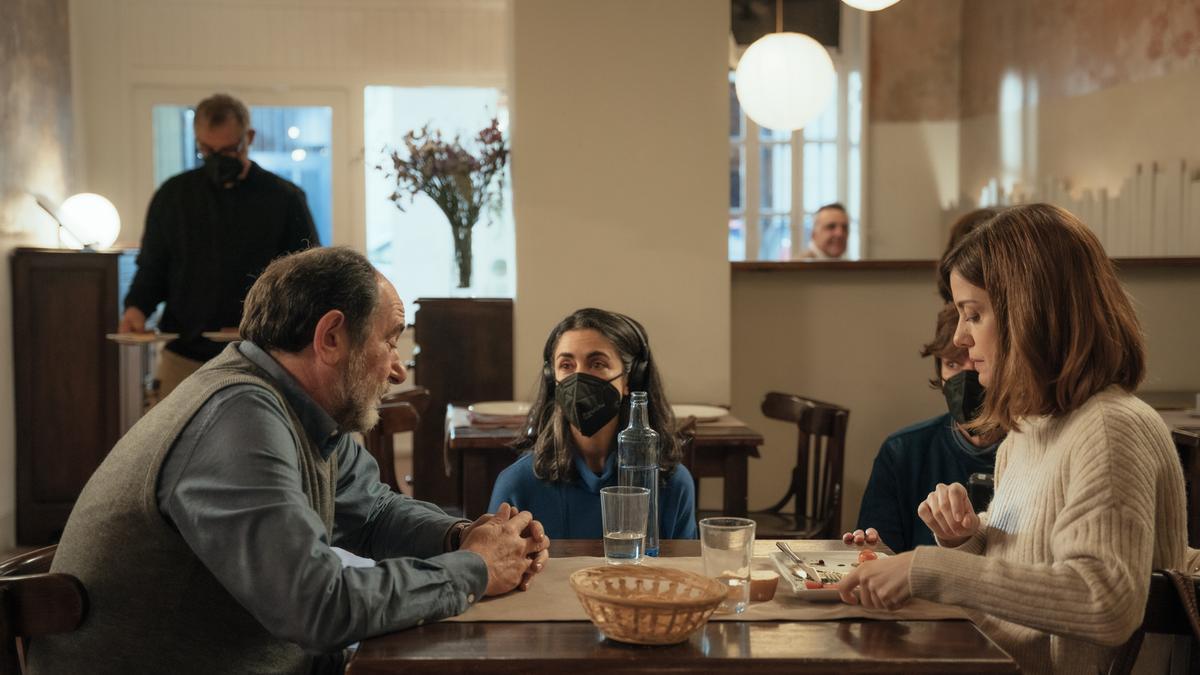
(478, 454)
(835, 647)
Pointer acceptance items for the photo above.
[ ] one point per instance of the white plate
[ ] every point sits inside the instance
(220, 335)
(787, 575)
(841, 562)
(702, 413)
(499, 409)
(140, 338)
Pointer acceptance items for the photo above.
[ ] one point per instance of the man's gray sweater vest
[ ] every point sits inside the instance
(153, 606)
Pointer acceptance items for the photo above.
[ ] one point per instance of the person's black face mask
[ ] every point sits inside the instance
(587, 401)
(222, 169)
(964, 396)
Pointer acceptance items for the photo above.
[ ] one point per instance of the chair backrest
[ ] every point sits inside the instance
(36, 561)
(820, 454)
(34, 605)
(398, 413)
(1167, 612)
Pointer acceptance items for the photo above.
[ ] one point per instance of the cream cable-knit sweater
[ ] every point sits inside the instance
(1086, 505)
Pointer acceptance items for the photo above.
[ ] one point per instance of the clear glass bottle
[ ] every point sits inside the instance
(637, 459)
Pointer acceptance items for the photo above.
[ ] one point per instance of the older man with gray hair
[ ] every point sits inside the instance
(204, 539)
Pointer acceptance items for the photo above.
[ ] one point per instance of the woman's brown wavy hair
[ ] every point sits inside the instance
(1067, 328)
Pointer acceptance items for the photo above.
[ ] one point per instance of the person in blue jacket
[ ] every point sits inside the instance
(915, 459)
(592, 360)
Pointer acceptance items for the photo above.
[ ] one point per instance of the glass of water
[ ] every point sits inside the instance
(624, 511)
(727, 546)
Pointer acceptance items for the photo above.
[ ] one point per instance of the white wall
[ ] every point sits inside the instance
(912, 177)
(132, 54)
(619, 119)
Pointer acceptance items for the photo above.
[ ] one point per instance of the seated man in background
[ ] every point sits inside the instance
(204, 539)
(830, 232)
(915, 459)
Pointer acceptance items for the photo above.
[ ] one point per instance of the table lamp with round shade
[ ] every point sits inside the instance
(870, 5)
(90, 220)
(784, 80)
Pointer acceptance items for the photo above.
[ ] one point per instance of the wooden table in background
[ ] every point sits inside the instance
(760, 647)
(480, 453)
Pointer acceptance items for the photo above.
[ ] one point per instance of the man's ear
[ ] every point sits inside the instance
(331, 339)
(249, 138)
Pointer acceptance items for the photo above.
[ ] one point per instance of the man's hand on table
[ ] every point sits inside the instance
(512, 544)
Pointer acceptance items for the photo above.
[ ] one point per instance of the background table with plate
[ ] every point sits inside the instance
(477, 445)
(545, 630)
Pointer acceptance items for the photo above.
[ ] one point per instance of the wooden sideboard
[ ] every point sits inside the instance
(66, 378)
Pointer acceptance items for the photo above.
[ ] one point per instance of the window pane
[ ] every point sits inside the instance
(775, 173)
(829, 173)
(854, 106)
(766, 134)
(414, 249)
(812, 176)
(775, 238)
(292, 142)
(825, 127)
(737, 237)
(737, 169)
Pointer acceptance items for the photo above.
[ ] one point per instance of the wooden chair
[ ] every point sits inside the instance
(34, 605)
(1171, 610)
(815, 492)
(398, 413)
(36, 561)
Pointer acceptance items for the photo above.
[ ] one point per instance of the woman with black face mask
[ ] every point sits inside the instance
(592, 360)
(915, 459)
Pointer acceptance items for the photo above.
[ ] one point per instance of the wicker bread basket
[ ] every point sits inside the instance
(646, 605)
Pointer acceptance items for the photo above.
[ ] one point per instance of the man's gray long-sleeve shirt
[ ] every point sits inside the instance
(231, 485)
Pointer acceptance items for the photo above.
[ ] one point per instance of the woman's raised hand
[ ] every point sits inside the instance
(949, 514)
(868, 538)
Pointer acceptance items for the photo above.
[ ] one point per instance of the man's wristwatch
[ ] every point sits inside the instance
(454, 537)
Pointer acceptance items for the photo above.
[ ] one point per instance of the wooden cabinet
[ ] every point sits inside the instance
(66, 378)
(464, 354)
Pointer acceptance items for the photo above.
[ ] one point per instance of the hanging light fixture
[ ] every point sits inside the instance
(870, 5)
(784, 80)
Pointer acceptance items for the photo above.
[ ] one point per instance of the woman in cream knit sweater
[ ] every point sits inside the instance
(1089, 492)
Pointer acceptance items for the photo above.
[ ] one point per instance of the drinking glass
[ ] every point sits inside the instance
(727, 546)
(624, 510)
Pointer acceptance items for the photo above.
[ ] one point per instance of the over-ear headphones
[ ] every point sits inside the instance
(639, 370)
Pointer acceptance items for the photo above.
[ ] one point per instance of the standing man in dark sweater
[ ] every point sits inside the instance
(209, 232)
(915, 459)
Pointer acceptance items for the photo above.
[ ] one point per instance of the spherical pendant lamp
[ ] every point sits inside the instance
(870, 5)
(784, 80)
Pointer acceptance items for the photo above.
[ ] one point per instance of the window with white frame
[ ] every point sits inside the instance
(778, 179)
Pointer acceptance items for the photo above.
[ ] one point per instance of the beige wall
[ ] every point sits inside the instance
(36, 155)
(913, 180)
(852, 337)
(618, 166)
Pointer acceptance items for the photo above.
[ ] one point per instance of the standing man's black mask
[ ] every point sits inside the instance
(964, 396)
(222, 169)
(587, 401)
